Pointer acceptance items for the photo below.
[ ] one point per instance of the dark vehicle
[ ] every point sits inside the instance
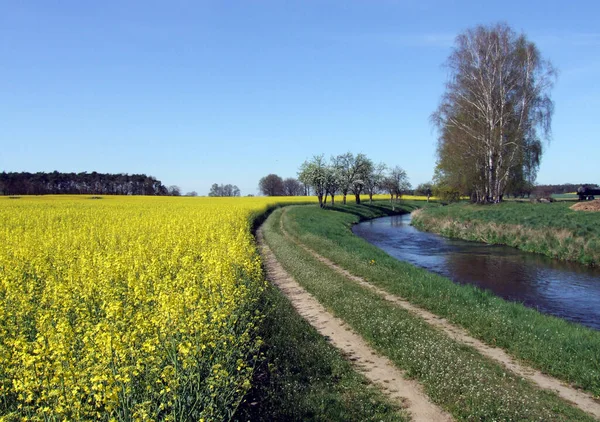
(586, 193)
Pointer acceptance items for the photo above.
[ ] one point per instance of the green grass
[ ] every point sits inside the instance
(565, 350)
(455, 376)
(555, 215)
(550, 229)
(302, 377)
(565, 196)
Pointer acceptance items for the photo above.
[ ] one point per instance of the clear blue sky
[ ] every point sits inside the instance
(202, 92)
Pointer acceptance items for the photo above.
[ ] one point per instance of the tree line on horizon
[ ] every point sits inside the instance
(224, 190)
(42, 183)
(274, 185)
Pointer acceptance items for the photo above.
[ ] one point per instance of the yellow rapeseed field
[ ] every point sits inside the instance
(127, 308)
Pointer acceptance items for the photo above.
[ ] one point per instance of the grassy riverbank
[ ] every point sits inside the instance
(455, 376)
(550, 229)
(567, 351)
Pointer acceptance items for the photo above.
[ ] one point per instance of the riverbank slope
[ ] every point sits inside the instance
(552, 229)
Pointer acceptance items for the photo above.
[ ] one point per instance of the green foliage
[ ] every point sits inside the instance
(494, 113)
(443, 187)
(271, 185)
(424, 189)
(446, 193)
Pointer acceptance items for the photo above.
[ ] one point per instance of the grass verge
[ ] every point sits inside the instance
(454, 376)
(550, 229)
(562, 349)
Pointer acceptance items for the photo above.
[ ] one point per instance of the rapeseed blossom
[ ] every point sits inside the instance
(128, 308)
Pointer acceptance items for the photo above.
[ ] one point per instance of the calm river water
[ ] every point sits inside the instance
(567, 290)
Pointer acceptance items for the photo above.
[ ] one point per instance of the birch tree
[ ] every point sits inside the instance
(495, 112)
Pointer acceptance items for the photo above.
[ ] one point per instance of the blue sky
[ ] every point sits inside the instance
(202, 92)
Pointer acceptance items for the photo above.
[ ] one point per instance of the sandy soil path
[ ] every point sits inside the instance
(379, 370)
(579, 398)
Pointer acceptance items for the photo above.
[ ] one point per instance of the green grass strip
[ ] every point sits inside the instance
(568, 351)
(455, 376)
(557, 215)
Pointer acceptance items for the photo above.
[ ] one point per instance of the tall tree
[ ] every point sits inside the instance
(361, 169)
(374, 180)
(313, 173)
(292, 187)
(214, 190)
(174, 190)
(424, 189)
(352, 173)
(495, 112)
(224, 190)
(271, 185)
(332, 182)
(396, 183)
(344, 164)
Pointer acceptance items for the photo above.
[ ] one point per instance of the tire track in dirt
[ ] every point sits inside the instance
(578, 398)
(377, 369)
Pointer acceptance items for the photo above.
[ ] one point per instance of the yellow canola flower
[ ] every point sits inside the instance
(137, 308)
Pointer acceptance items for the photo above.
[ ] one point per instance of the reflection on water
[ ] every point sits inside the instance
(567, 290)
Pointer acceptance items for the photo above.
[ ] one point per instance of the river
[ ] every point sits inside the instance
(566, 290)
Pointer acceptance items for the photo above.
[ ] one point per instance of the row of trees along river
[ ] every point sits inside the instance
(351, 174)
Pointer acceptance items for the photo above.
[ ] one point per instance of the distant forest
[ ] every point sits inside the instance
(564, 188)
(79, 183)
